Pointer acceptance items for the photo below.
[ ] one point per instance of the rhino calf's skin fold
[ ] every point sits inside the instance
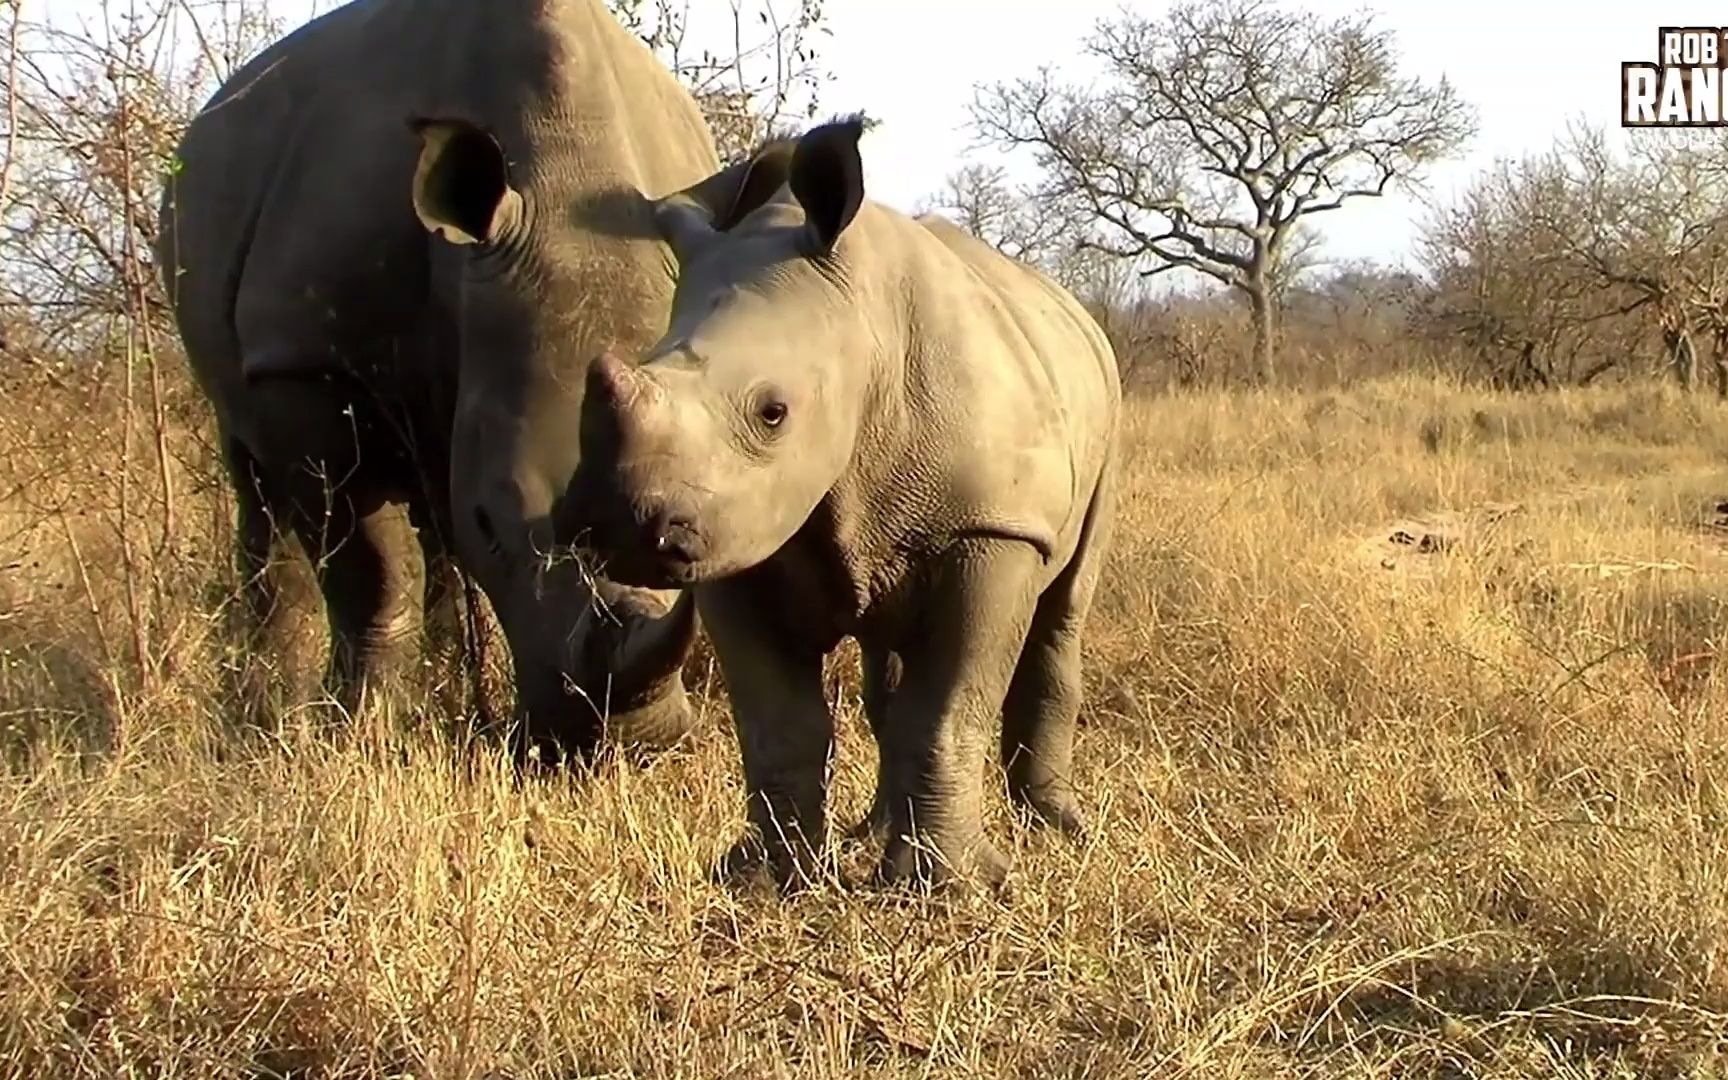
(863, 424)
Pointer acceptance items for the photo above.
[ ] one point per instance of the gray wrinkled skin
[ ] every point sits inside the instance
(864, 424)
(394, 242)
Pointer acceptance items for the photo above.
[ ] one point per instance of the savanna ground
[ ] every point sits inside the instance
(1406, 750)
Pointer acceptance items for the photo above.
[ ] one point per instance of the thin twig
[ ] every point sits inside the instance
(12, 31)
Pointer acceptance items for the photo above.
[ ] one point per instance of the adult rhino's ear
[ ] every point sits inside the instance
(827, 178)
(462, 182)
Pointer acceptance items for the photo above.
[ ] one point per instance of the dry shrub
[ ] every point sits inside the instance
(1204, 342)
(1361, 806)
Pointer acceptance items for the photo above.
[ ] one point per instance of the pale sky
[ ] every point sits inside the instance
(1528, 67)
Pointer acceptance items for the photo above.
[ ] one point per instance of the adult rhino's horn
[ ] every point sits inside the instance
(653, 648)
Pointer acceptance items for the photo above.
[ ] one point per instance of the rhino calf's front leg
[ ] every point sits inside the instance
(881, 674)
(957, 662)
(785, 735)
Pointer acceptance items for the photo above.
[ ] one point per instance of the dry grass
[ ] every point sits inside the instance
(1363, 808)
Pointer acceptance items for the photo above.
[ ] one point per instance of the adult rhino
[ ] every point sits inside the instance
(393, 242)
(869, 425)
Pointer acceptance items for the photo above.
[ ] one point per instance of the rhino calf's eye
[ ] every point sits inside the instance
(773, 413)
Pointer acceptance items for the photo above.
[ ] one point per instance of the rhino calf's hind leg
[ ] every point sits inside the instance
(1043, 703)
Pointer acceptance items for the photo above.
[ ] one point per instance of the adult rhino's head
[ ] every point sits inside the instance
(537, 270)
(708, 456)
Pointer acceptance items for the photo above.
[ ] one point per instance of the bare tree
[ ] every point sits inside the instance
(96, 106)
(982, 200)
(14, 27)
(1709, 286)
(1023, 225)
(1503, 290)
(1567, 264)
(1292, 260)
(1181, 332)
(1356, 293)
(1647, 229)
(1219, 128)
(746, 80)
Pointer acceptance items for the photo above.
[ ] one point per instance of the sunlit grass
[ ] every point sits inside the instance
(1360, 807)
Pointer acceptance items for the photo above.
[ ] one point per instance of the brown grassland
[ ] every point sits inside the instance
(1450, 804)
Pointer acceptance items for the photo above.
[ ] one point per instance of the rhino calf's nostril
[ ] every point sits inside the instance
(674, 539)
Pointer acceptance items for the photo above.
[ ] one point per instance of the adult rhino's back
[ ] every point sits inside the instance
(303, 156)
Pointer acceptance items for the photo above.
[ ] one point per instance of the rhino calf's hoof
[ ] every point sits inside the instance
(793, 868)
(871, 828)
(1057, 810)
(979, 863)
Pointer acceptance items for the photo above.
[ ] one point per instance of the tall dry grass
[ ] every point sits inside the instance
(1451, 806)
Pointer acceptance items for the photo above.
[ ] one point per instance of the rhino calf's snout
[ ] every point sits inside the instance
(651, 543)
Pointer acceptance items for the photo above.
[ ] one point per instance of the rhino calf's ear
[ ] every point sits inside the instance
(762, 176)
(689, 218)
(462, 181)
(827, 179)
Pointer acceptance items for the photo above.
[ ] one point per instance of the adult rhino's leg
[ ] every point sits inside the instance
(956, 665)
(1043, 702)
(453, 656)
(785, 735)
(881, 674)
(443, 594)
(366, 559)
(275, 600)
(333, 453)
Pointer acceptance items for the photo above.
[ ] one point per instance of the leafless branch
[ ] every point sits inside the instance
(1219, 129)
(1583, 252)
(13, 25)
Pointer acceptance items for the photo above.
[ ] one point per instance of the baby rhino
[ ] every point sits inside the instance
(864, 424)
